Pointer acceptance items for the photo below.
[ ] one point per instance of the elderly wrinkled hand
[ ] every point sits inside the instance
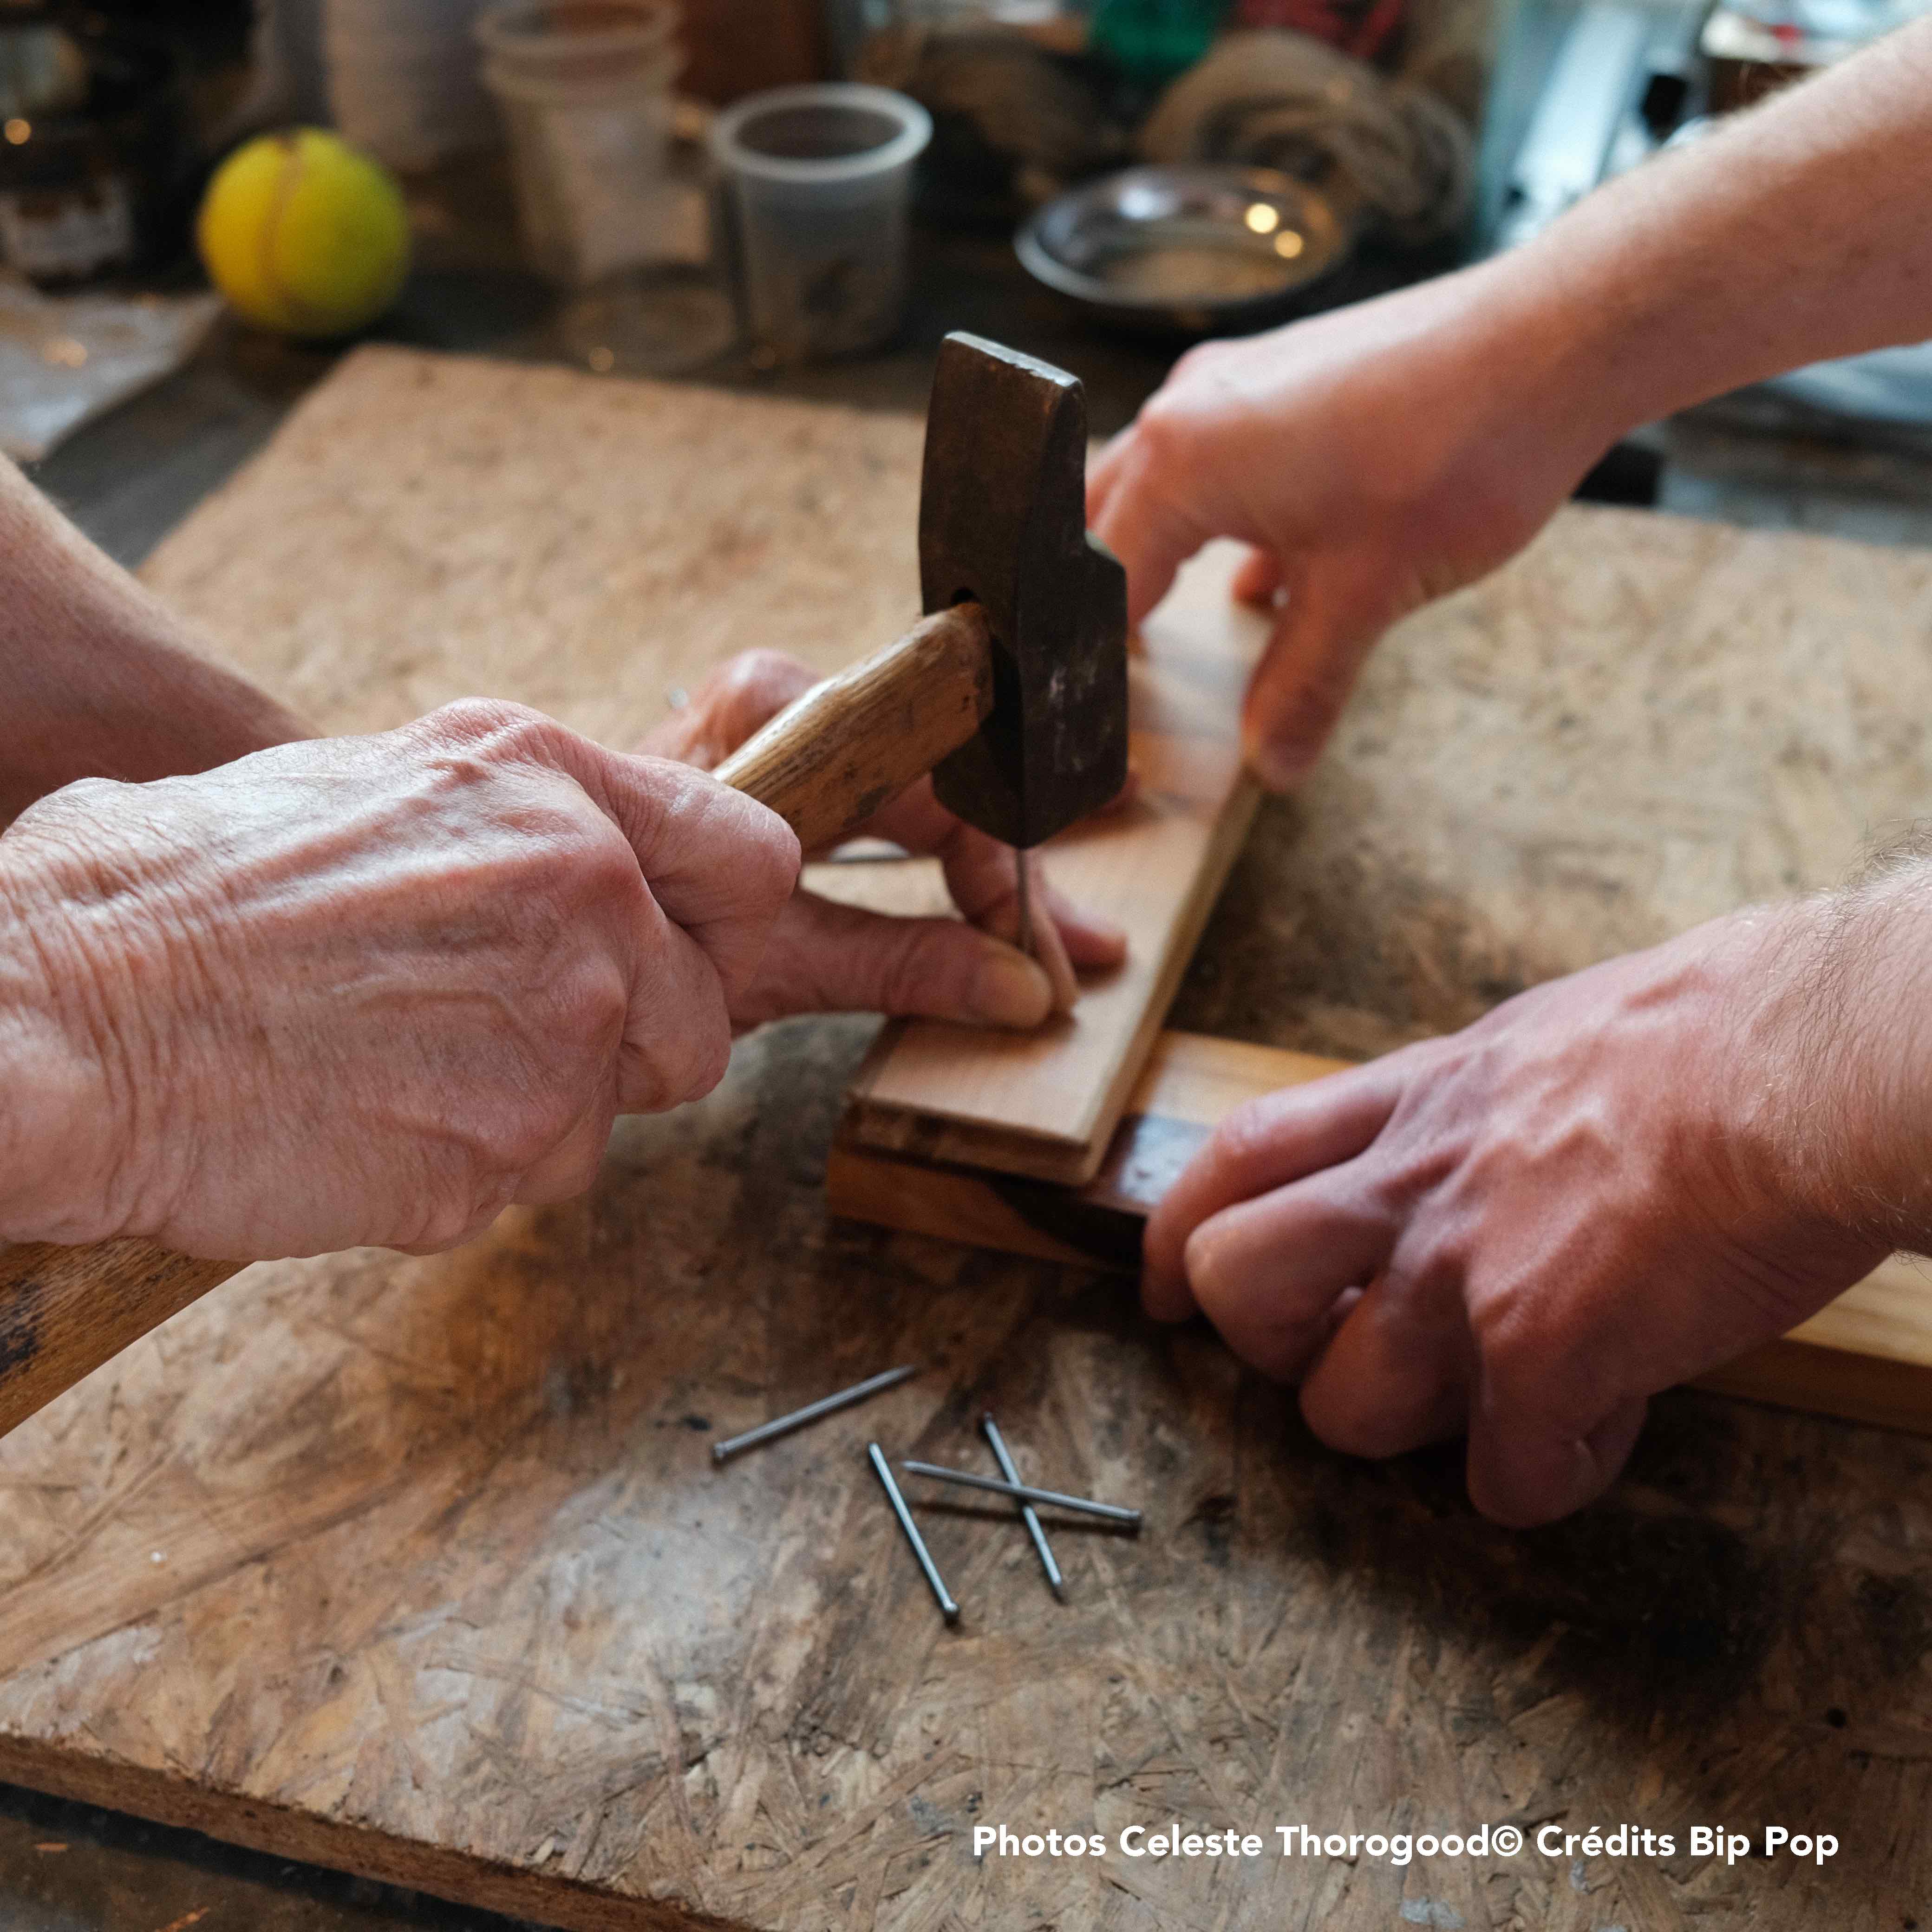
(367, 990)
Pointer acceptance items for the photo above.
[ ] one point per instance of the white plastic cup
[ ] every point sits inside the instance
(584, 87)
(816, 187)
(587, 43)
(401, 79)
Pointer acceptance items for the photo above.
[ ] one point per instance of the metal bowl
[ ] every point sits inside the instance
(1193, 248)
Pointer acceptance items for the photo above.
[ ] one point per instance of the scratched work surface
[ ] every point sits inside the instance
(420, 1568)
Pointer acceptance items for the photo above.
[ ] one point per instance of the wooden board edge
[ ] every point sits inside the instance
(893, 1129)
(280, 1832)
(977, 1208)
(1230, 832)
(1880, 1391)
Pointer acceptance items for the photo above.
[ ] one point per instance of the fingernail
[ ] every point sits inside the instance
(1009, 990)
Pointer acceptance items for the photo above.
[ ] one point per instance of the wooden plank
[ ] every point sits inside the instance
(1189, 1082)
(1045, 1105)
(1866, 1356)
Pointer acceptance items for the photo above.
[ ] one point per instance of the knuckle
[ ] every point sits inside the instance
(588, 1009)
(492, 728)
(525, 1135)
(698, 1064)
(1164, 428)
(1245, 1136)
(1200, 360)
(471, 718)
(84, 795)
(458, 1216)
(603, 868)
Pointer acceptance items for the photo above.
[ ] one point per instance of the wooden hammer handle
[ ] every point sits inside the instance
(828, 761)
(824, 764)
(64, 1311)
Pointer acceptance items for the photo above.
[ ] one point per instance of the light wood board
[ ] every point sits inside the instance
(447, 1589)
(1046, 1104)
(1866, 1356)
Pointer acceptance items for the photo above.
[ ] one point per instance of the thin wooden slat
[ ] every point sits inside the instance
(1045, 1105)
(1867, 1356)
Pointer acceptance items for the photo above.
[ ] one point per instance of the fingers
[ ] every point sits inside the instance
(982, 876)
(677, 1029)
(741, 696)
(828, 958)
(1150, 531)
(1267, 1144)
(1531, 1459)
(1522, 1477)
(988, 987)
(1103, 475)
(1268, 1273)
(1329, 624)
(1093, 943)
(1395, 1376)
(1334, 610)
(1259, 579)
(720, 865)
(738, 699)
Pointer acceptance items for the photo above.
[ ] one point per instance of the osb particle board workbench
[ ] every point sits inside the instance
(421, 1567)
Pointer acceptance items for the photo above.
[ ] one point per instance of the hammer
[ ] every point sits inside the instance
(1012, 691)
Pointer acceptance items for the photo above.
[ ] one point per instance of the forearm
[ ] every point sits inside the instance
(97, 678)
(1796, 233)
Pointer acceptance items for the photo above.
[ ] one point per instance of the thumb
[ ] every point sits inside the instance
(825, 958)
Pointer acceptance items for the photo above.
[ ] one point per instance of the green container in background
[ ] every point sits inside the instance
(1153, 40)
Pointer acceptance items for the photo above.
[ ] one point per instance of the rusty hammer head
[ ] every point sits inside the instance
(1002, 521)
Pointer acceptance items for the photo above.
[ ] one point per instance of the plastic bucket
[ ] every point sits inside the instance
(584, 86)
(583, 42)
(814, 190)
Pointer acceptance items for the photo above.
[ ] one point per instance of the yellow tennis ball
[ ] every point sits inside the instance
(304, 234)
